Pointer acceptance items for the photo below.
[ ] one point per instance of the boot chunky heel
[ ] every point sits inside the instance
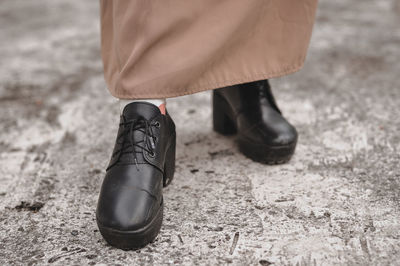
(222, 123)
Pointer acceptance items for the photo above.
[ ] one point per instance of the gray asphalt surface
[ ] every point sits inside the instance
(336, 202)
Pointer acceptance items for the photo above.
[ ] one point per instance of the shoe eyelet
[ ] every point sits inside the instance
(157, 124)
(155, 139)
(151, 154)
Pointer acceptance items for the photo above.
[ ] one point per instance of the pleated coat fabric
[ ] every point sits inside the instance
(168, 48)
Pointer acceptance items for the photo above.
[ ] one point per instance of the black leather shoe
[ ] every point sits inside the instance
(250, 110)
(130, 207)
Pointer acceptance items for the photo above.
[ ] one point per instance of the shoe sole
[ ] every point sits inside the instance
(136, 239)
(266, 154)
(224, 124)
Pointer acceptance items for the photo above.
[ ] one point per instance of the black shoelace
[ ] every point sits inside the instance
(265, 92)
(129, 143)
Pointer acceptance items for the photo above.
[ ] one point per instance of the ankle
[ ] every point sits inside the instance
(160, 103)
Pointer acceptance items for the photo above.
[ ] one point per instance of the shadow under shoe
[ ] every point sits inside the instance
(129, 212)
(250, 111)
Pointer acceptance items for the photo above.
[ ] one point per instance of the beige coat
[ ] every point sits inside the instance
(168, 48)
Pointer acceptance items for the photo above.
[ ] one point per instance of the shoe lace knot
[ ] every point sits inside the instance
(131, 143)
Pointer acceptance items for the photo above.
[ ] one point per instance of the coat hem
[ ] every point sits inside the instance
(210, 86)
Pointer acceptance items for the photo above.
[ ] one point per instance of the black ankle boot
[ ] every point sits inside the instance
(250, 110)
(130, 207)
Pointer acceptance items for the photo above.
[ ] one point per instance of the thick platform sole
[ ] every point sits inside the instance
(224, 123)
(128, 240)
(266, 154)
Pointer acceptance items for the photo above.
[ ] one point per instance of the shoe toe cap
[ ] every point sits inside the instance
(124, 202)
(286, 134)
(128, 211)
(277, 134)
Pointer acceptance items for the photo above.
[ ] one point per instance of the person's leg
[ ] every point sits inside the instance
(161, 103)
(160, 49)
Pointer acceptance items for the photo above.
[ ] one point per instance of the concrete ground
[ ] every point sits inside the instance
(336, 202)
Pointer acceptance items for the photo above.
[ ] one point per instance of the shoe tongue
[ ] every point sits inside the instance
(140, 109)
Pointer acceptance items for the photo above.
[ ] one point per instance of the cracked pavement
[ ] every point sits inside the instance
(335, 202)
